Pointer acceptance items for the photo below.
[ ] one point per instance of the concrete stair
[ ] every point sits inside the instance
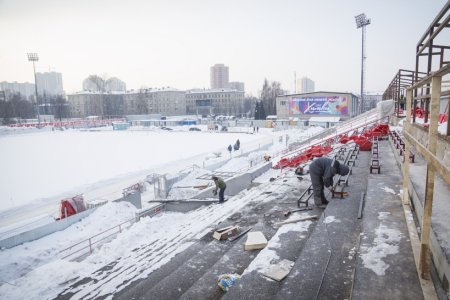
(327, 256)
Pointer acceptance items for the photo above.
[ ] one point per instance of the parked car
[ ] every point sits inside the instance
(194, 129)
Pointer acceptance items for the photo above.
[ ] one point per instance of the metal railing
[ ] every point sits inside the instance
(87, 246)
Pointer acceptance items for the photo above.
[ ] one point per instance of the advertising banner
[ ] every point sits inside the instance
(325, 105)
(202, 103)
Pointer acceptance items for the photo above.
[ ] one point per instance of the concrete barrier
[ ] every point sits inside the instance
(256, 172)
(219, 164)
(42, 231)
(39, 232)
(237, 183)
(134, 198)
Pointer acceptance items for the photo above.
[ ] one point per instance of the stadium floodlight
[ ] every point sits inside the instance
(362, 22)
(34, 58)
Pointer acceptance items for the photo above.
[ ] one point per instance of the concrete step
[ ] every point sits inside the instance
(385, 266)
(326, 264)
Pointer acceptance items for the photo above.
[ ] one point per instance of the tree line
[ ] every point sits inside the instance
(17, 107)
(266, 105)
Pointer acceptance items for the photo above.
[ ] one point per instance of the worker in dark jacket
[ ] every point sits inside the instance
(322, 171)
(221, 186)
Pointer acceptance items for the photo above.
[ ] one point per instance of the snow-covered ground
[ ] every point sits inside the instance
(39, 268)
(39, 168)
(51, 165)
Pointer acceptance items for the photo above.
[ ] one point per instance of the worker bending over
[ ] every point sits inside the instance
(322, 171)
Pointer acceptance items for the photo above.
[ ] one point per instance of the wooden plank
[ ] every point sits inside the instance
(224, 233)
(280, 270)
(255, 241)
(407, 124)
(428, 289)
(429, 157)
(361, 203)
(427, 79)
(424, 265)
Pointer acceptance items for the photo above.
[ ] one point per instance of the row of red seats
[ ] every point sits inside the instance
(420, 113)
(364, 139)
(313, 151)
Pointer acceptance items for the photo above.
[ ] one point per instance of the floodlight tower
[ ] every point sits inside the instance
(34, 57)
(362, 22)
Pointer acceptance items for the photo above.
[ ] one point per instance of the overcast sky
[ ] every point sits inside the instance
(156, 43)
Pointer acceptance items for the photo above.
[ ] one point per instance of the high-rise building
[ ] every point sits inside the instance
(219, 76)
(215, 102)
(305, 85)
(25, 89)
(237, 85)
(49, 83)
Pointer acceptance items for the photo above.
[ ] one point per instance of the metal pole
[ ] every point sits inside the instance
(361, 110)
(35, 89)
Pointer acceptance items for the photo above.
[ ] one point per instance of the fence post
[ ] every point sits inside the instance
(90, 246)
(424, 258)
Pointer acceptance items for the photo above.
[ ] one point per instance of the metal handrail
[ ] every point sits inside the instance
(303, 147)
(90, 239)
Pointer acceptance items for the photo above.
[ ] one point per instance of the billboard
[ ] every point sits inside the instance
(203, 103)
(323, 105)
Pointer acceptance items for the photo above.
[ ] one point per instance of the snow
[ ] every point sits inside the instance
(145, 246)
(388, 190)
(51, 165)
(38, 266)
(25, 225)
(330, 219)
(99, 164)
(385, 243)
(443, 128)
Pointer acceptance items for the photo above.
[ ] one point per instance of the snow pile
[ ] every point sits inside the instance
(140, 250)
(20, 260)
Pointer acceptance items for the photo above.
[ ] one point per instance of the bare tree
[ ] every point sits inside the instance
(269, 94)
(95, 83)
(141, 102)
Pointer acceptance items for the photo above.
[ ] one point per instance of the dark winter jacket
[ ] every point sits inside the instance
(326, 167)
